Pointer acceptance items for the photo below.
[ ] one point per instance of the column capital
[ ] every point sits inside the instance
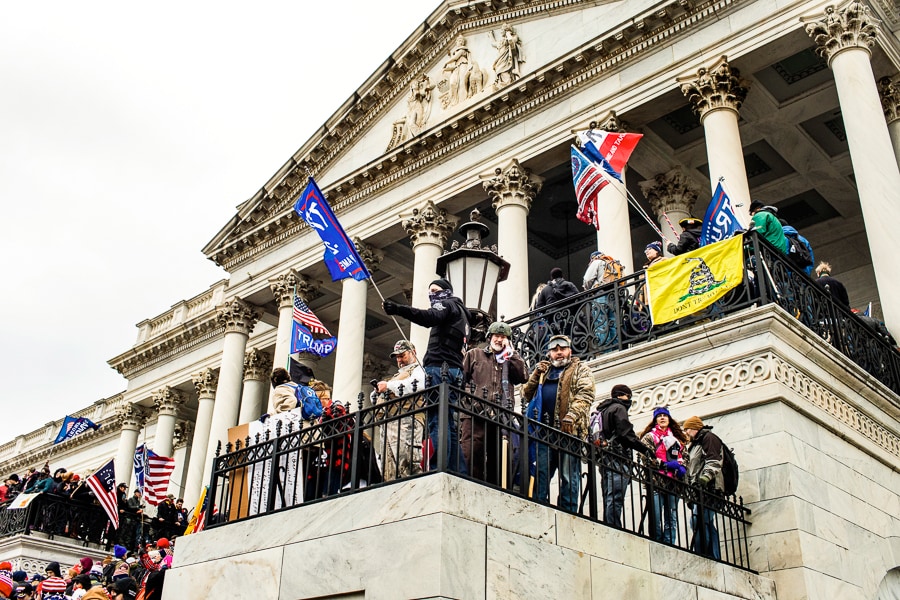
(371, 256)
(237, 316)
(717, 87)
(284, 285)
(889, 91)
(610, 122)
(670, 191)
(429, 225)
(184, 433)
(851, 27)
(205, 382)
(512, 185)
(132, 416)
(167, 400)
(257, 365)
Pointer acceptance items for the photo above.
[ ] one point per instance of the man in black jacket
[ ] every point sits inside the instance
(691, 229)
(619, 434)
(556, 289)
(449, 321)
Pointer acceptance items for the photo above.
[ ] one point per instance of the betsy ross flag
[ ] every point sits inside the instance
(341, 256)
(614, 148)
(589, 178)
(303, 314)
(72, 426)
(103, 484)
(152, 472)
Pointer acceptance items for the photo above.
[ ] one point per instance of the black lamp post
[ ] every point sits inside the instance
(474, 272)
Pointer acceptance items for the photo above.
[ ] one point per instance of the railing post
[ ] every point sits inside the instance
(592, 482)
(211, 494)
(443, 419)
(524, 452)
(354, 451)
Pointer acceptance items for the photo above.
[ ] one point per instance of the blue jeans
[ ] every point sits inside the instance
(706, 541)
(455, 460)
(665, 513)
(613, 483)
(569, 477)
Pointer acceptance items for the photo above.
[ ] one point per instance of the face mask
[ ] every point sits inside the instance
(438, 296)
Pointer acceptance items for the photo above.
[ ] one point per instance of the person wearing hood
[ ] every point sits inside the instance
(704, 469)
(449, 321)
(615, 462)
(492, 370)
(765, 221)
(556, 289)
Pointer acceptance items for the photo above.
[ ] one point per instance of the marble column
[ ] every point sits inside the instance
(239, 318)
(205, 382)
(257, 370)
(889, 91)
(184, 433)
(352, 331)
(166, 401)
(671, 194)
(429, 228)
(512, 190)
(614, 235)
(716, 95)
(132, 418)
(844, 37)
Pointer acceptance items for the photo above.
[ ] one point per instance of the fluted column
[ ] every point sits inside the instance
(890, 103)
(844, 38)
(239, 318)
(512, 189)
(717, 94)
(428, 228)
(257, 369)
(166, 401)
(205, 382)
(671, 194)
(132, 418)
(614, 235)
(352, 333)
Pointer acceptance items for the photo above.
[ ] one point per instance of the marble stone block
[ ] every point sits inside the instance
(685, 566)
(602, 541)
(256, 574)
(628, 582)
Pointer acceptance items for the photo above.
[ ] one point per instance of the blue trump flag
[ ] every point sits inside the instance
(341, 256)
(720, 222)
(72, 426)
(302, 340)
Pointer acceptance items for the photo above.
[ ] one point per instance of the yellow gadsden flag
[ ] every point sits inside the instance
(687, 283)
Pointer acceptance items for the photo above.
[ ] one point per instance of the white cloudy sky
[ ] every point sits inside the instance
(128, 134)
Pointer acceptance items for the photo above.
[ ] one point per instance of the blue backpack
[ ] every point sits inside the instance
(308, 401)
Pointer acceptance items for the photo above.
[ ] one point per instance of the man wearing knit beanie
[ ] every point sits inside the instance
(704, 469)
(6, 586)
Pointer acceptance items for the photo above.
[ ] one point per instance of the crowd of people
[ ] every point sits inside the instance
(121, 575)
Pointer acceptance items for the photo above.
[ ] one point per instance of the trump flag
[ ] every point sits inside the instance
(687, 283)
(720, 222)
(341, 256)
(614, 148)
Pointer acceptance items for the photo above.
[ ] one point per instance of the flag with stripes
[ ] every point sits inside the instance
(613, 147)
(198, 516)
(103, 484)
(589, 178)
(303, 314)
(157, 472)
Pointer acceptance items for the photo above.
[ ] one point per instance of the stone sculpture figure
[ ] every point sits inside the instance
(509, 56)
(462, 76)
(419, 103)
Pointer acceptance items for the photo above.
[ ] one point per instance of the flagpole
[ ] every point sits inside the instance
(721, 181)
(672, 227)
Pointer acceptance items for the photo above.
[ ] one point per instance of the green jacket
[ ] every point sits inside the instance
(769, 227)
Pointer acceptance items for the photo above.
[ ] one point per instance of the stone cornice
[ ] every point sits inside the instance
(175, 341)
(272, 221)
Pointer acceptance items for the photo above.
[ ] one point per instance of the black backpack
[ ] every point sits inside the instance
(730, 472)
(798, 253)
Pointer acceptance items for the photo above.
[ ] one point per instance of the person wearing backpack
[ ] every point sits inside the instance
(665, 437)
(603, 269)
(799, 250)
(288, 395)
(556, 289)
(704, 470)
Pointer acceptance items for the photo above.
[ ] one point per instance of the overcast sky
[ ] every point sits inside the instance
(128, 135)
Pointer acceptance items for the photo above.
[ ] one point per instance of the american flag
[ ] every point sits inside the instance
(303, 314)
(589, 178)
(103, 484)
(153, 474)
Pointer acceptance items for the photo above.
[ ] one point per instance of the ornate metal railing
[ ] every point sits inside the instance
(616, 316)
(280, 467)
(58, 516)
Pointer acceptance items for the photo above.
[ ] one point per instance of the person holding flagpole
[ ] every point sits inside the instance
(691, 230)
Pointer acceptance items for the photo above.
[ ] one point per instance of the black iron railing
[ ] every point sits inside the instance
(58, 517)
(616, 316)
(282, 467)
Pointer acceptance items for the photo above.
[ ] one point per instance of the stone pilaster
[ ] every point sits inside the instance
(670, 194)
(845, 38)
(716, 94)
(166, 401)
(257, 371)
(205, 382)
(429, 228)
(512, 189)
(131, 418)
